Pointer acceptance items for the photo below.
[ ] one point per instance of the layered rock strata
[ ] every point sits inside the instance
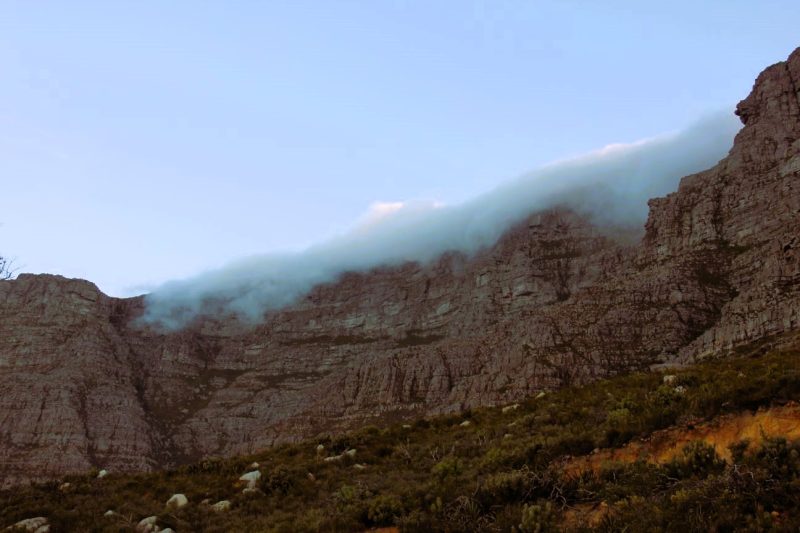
(555, 301)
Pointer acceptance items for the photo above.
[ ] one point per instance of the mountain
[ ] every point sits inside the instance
(555, 302)
(712, 447)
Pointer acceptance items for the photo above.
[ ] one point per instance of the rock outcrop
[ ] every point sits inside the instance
(555, 301)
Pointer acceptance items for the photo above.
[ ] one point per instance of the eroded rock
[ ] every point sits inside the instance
(556, 301)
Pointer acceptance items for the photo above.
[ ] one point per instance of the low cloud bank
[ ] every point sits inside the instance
(611, 185)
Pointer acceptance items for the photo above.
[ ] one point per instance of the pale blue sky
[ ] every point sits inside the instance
(144, 141)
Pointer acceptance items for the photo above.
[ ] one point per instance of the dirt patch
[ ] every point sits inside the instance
(662, 446)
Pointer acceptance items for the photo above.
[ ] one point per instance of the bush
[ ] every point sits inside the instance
(505, 487)
(538, 518)
(278, 481)
(738, 450)
(382, 510)
(447, 468)
(698, 460)
(778, 457)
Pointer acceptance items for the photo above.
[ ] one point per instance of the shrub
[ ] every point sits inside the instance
(278, 481)
(778, 457)
(447, 467)
(698, 459)
(383, 509)
(738, 450)
(538, 518)
(505, 487)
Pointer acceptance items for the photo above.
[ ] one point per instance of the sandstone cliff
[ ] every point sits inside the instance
(555, 301)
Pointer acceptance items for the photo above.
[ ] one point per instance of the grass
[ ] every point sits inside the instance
(500, 472)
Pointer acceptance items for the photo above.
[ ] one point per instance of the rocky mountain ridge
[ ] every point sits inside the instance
(555, 302)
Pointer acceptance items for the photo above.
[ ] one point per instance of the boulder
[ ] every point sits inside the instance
(147, 525)
(251, 478)
(101, 474)
(220, 506)
(177, 501)
(32, 525)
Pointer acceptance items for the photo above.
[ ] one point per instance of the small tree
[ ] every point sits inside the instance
(6, 268)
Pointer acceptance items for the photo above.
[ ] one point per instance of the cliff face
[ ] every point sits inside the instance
(554, 302)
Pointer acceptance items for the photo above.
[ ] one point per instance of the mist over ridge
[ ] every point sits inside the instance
(611, 186)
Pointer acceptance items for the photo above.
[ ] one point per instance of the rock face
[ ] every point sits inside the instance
(555, 301)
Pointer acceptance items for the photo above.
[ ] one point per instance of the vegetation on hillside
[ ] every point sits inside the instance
(494, 469)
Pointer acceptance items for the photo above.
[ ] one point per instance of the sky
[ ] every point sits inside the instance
(142, 142)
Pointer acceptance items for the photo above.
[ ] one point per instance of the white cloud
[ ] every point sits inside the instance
(611, 185)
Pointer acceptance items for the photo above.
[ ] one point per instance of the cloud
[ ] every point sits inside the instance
(379, 211)
(610, 185)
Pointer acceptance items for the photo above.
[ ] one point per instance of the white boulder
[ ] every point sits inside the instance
(177, 501)
(32, 525)
(220, 506)
(101, 474)
(251, 478)
(147, 525)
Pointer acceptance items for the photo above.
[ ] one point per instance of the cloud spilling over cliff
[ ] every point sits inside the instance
(611, 186)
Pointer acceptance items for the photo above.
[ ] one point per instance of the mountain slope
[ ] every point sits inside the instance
(640, 452)
(555, 302)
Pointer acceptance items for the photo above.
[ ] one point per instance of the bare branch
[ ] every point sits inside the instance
(7, 270)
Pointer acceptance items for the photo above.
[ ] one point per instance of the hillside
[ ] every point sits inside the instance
(555, 303)
(711, 447)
